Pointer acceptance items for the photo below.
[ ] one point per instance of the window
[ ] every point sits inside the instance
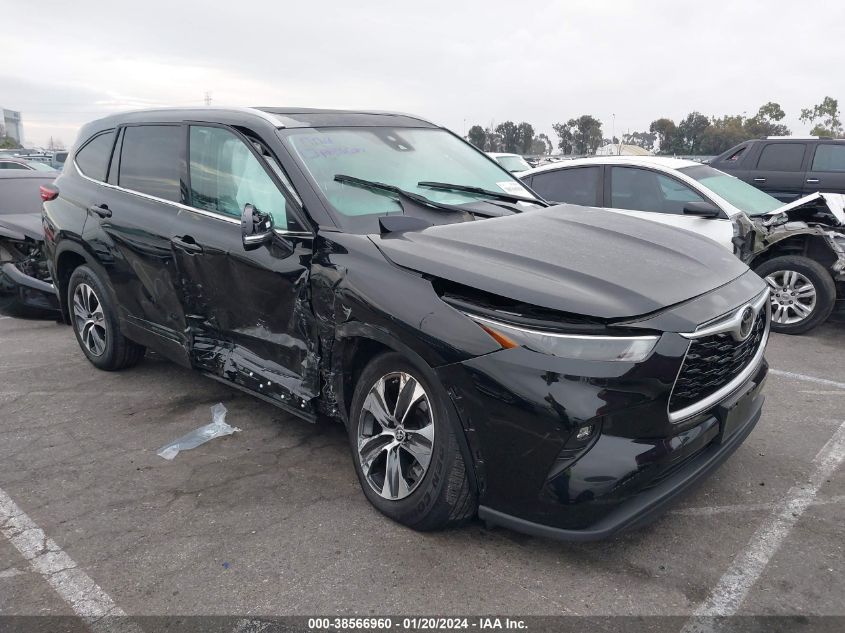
(644, 190)
(781, 157)
(829, 157)
(225, 176)
(93, 158)
(736, 155)
(740, 194)
(149, 161)
(576, 186)
(10, 165)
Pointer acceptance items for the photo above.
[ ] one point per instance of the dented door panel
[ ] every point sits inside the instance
(248, 313)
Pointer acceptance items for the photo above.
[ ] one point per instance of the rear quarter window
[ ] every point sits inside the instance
(93, 158)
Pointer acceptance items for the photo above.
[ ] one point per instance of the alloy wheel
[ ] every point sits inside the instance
(395, 435)
(89, 319)
(793, 296)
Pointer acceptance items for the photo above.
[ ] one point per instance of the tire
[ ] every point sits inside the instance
(424, 497)
(798, 281)
(93, 317)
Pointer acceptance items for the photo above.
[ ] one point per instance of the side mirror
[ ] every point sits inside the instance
(256, 228)
(701, 209)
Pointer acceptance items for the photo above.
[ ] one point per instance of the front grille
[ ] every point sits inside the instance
(712, 362)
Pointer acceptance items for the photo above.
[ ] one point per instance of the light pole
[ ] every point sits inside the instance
(613, 133)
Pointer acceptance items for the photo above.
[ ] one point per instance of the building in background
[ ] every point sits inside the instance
(13, 125)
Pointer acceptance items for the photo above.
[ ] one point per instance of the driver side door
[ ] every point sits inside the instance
(248, 312)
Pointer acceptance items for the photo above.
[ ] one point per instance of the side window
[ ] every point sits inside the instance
(149, 160)
(225, 175)
(733, 158)
(5, 165)
(781, 157)
(579, 185)
(829, 157)
(93, 158)
(645, 190)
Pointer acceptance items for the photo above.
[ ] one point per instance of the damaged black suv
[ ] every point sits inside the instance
(563, 371)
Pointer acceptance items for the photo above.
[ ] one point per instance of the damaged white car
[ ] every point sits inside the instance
(798, 248)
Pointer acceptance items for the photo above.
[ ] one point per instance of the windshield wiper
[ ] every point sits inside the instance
(507, 197)
(375, 186)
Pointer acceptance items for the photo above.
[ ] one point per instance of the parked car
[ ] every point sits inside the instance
(25, 285)
(58, 160)
(378, 270)
(21, 163)
(514, 163)
(798, 248)
(789, 167)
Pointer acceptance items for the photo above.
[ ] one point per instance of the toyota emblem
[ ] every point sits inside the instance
(746, 322)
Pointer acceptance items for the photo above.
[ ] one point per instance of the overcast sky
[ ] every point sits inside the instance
(456, 63)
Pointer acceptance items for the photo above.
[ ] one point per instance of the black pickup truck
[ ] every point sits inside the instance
(788, 167)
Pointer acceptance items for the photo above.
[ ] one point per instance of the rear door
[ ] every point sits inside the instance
(128, 227)
(780, 170)
(827, 168)
(249, 312)
(658, 197)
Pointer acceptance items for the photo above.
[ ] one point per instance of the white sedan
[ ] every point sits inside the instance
(798, 248)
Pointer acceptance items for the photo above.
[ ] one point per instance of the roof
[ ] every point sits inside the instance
(279, 117)
(637, 161)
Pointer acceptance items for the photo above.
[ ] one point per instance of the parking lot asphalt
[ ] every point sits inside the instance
(271, 520)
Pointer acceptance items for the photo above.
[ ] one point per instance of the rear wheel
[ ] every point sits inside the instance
(94, 320)
(404, 447)
(803, 293)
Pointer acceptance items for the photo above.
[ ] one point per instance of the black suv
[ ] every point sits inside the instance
(562, 371)
(788, 168)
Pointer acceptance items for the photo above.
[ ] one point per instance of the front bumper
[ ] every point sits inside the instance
(521, 412)
(22, 294)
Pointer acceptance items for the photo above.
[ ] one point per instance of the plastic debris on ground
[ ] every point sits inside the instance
(217, 428)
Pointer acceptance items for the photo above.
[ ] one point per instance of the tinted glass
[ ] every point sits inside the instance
(9, 165)
(829, 158)
(645, 190)
(21, 195)
(740, 194)
(575, 186)
(149, 161)
(93, 158)
(513, 163)
(781, 157)
(226, 175)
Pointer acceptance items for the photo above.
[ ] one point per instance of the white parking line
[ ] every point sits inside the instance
(749, 564)
(747, 507)
(820, 381)
(74, 586)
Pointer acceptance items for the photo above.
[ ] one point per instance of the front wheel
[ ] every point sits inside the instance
(803, 293)
(404, 447)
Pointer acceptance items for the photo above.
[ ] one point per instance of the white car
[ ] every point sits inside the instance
(514, 163)
(798, 248)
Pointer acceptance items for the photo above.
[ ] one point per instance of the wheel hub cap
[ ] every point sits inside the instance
(395, 435)
(793, 296)
(89, 320)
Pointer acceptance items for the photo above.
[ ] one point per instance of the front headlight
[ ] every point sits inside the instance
(573, 346)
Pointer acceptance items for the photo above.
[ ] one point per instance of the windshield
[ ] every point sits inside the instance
(740, 194)
(513, 163)
(402, 157)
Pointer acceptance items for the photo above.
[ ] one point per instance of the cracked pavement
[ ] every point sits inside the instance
(272, 521)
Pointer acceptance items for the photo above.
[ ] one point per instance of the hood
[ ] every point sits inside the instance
(822, 208)
(18, 226)
(572, 259)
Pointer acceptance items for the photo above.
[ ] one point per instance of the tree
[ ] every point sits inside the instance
(477, 136)
(764, 122)
(690, 132)
(525, 137)
(722, 134)
(565, 136)
(828, 116)
(646, 140)
(510, 136)
(547, 142)
(665, 130)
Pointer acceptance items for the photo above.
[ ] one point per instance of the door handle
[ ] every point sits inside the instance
(100, 209)
(759, 180)
(812, 180)
(187, 244)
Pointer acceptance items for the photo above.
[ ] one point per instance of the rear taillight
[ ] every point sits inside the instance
(48, 192)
